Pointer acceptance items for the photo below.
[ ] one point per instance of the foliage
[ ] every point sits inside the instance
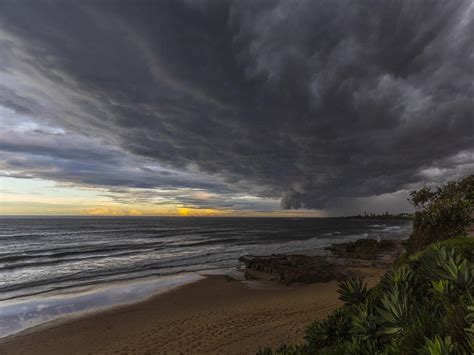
(423, 305)
(285, 350)
(395, 314)
(352, 290)
(330, 330)
(399, 278)
(442, 213)
(364, 326)
(470, 323)
(438, 346)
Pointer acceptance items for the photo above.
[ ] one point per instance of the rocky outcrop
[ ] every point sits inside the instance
(366, 249)
(289, 269)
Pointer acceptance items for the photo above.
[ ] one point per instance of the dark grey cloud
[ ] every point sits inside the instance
(51, 153)
(291, 199)
(309, 100)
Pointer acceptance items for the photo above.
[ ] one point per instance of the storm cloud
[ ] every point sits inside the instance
(307, 101)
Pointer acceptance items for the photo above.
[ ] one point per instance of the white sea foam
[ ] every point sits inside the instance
(21, 314)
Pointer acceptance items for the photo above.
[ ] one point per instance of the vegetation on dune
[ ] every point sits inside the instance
(424, 304)
(353, 290)
(442, 213)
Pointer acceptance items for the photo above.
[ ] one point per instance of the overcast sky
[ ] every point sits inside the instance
(232, 107)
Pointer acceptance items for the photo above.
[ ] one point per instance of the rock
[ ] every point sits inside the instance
(248, 276)
(229, 278)
(290, 269)
(367, 249)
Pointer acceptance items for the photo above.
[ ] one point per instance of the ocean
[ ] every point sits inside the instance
(41, 257)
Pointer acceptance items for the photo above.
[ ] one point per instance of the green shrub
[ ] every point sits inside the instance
(395, 314)
(470, 323)
(364, 325)
(447, 268)
(285, 350)
(442, 213)
(352, 290)
(330, 330)
(400, 278)
(438, 346)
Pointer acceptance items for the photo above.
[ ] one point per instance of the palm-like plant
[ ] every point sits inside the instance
(394, 315)
(285, 350)
(364, 325)
(352, 290)
(400, 275)
(328, 331)
(438, 346)
(424, 322)
(400, 278)
(447, 264)
(360, 347)
(441, 287)
(455, 324)
(470, 325)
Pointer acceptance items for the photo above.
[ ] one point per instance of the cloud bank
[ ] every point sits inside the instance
(307, 101)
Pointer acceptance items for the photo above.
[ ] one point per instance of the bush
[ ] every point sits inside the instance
(285, 350)
(352, 290)
(330, 330)
(438, 346)
(442, 213)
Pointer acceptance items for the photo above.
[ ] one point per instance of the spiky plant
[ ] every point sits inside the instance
(364, 325)
(455, 323)
(352, 290)
(395, 314)
(438, 346)
(449, 264)
(400, 278)
(470, 324)
(391, 349)
(359, 347)
(424, 323)
(330, 330)
(285, 350)
(442, 288)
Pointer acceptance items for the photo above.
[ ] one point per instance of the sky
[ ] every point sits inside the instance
(232, 108)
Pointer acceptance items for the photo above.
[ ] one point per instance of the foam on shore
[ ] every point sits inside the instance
(21, 314)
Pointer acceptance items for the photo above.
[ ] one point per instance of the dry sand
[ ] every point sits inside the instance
(210, 316)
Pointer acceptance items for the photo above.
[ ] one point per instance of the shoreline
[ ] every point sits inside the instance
(61, 307)
(28, 315)
(210, 315)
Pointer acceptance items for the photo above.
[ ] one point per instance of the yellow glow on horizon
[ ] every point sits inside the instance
(202, 212)
(46, 198)
(183, 211)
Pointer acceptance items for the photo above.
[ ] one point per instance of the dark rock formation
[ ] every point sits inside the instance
(366, 249)
(290, 269)
(230, 278)
(248, 276)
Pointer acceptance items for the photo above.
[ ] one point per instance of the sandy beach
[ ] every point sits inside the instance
(210, 316)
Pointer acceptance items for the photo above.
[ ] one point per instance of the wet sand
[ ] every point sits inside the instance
(210, 316)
